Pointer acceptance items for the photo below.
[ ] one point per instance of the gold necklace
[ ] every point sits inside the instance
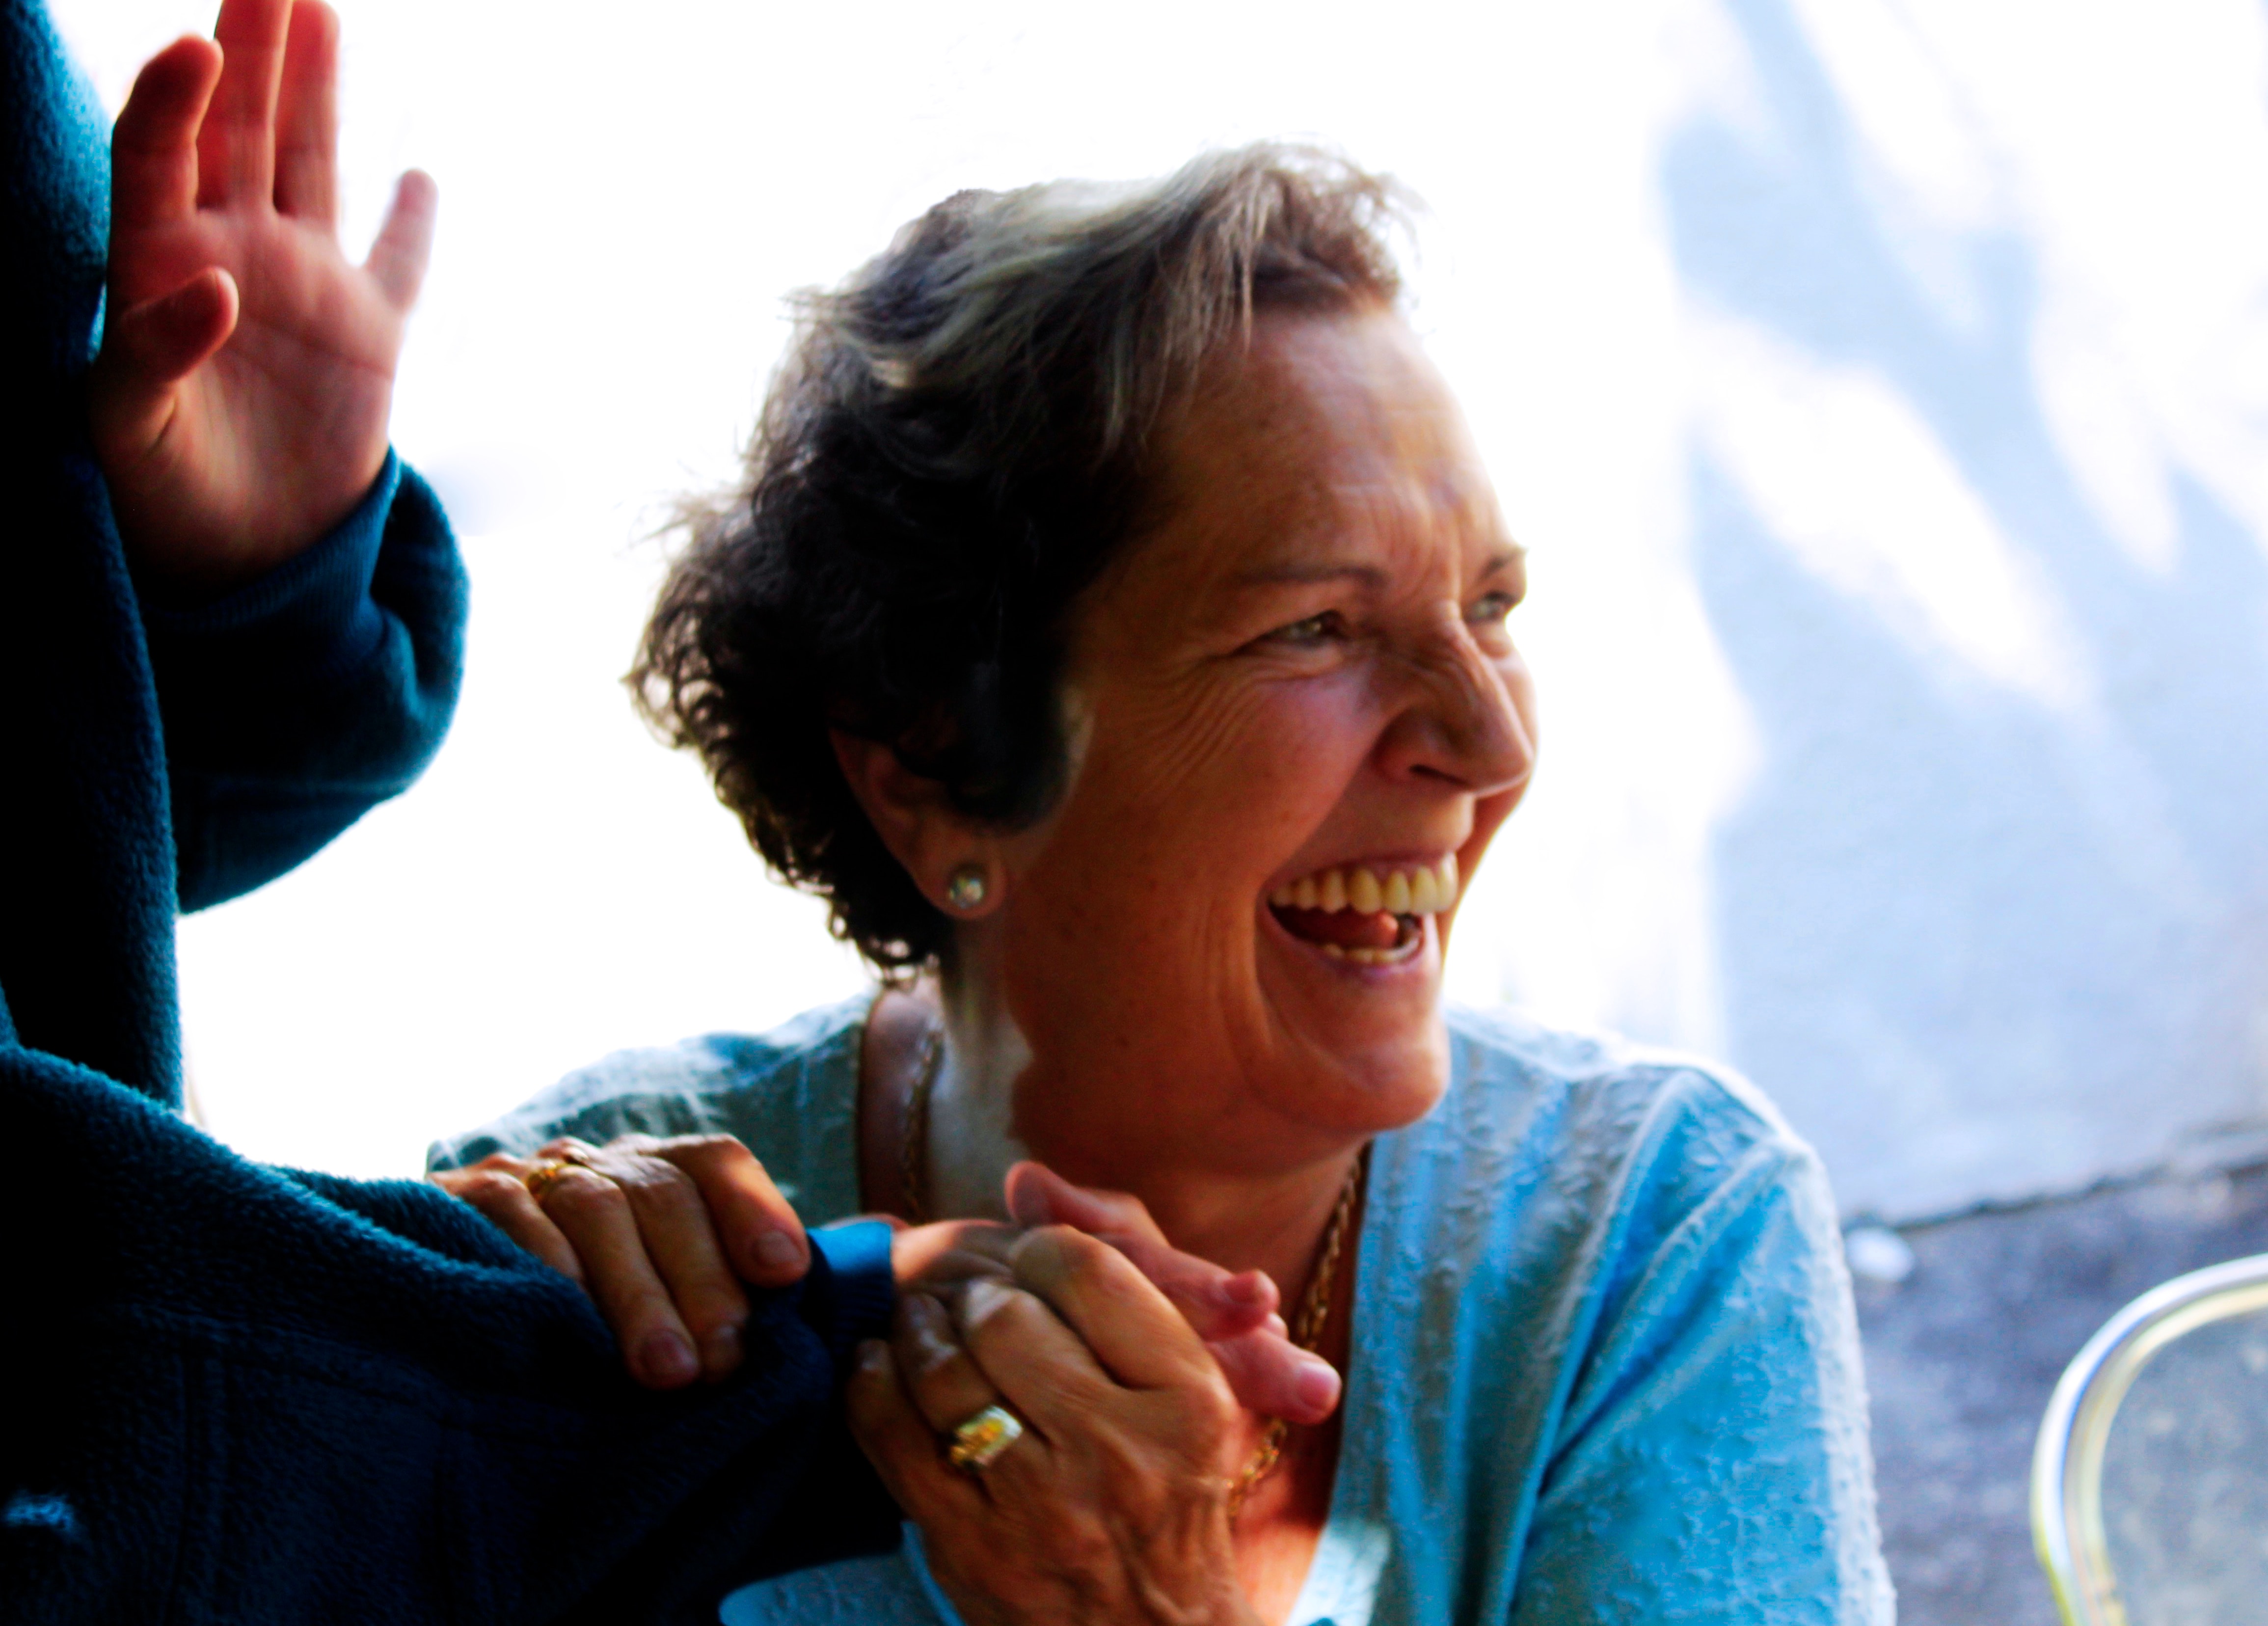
(1315, 1313)
(1307, 1329)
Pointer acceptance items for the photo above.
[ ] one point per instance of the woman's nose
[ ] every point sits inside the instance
(1464, 723)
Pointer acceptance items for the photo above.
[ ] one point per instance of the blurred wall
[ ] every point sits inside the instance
(1881, 388)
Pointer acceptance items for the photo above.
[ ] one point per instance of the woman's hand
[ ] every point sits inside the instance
(666, 1235)
(661, 1232)
(239, 406)
(1265, 1371)
(1113, 1505)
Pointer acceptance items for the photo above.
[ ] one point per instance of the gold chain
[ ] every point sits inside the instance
(1307, 1331)
(1315, 1312)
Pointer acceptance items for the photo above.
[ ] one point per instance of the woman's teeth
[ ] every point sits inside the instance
(1356, 913)
(1364, 890)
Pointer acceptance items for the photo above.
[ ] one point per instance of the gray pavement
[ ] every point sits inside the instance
(1962, 1356)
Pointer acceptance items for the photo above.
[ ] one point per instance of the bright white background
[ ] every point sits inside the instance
(1881, 386)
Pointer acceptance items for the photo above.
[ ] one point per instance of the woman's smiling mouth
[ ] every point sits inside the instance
(1370, 917)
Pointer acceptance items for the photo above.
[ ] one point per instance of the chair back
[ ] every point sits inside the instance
(2150, 1480)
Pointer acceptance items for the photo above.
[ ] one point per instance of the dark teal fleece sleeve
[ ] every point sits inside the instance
(240, 1393)
(295, 704)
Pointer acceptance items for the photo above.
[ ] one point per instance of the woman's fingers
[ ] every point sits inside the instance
(594, 1214)
(153, 148)
(1040, 1366)
(760, 1230)
(949, 1250)
(496, 1187)
(1133, 1329)
(1037, 1195)
(946, 1384)
(1269, 1374)
(677, 1243)
(1233, 1313)
(397, 259)
(1217, 1304)
(904, 1449)
(307, 117)
(635, 1221)
(236, 146)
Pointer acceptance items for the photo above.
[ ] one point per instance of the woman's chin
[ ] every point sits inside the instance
(1372, 1019)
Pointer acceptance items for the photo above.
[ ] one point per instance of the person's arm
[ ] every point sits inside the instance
(301, 596)
(296, 704)
(1711, 1461)
(260, 1396)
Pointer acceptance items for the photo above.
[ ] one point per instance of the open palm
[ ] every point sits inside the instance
(239, 402)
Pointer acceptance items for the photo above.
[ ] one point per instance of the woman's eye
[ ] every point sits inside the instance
(1313, 630)
(1491, 609)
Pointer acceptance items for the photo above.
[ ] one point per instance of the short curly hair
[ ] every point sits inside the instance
(955, 447)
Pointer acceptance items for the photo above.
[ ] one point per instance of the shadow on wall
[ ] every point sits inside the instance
(1983, 932)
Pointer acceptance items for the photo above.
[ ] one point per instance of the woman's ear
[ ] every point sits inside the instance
(948, 856)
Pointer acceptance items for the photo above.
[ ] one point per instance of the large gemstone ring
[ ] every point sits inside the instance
(978, 1440)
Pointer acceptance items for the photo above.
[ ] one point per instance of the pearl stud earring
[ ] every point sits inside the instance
(967, 887)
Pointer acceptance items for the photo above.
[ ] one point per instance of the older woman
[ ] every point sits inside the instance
(1113, 626)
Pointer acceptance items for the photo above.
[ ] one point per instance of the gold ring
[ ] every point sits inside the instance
(978, 1441)
(545, 1176)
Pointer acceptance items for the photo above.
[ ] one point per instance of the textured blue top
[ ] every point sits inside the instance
(1605, 1367)
(249, 1394)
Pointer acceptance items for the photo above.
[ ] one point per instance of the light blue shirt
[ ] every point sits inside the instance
(1604, 1367)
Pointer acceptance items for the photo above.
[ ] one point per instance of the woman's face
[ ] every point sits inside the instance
(1300, 678)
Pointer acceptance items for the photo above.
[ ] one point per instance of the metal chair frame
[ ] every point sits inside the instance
(2067, 1463)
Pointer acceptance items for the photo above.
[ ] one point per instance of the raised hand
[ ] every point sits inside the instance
(239, 405)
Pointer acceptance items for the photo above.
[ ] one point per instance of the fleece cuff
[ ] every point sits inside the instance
(849, 1294)
(311, 616)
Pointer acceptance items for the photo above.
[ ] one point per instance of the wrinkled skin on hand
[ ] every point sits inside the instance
(668, 1234)
(665, 1234)
(1115, 1501)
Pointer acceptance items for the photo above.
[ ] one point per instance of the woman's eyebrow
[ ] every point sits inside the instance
(1302, 574)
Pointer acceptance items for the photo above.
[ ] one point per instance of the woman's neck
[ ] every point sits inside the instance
(972, 1106)
(1272, 1221)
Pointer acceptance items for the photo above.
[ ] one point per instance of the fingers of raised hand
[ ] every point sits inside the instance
(497, 1186)
(651, 1256)
(307, 116)
(147, 349)
(236, 150)
(405, 241)
(153, 152)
